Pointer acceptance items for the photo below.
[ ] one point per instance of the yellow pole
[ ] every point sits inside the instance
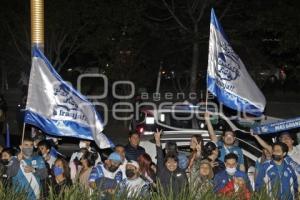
(37, 23)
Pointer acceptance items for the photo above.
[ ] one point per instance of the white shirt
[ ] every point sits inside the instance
(295, 154)
(123, 167)
(134, 186)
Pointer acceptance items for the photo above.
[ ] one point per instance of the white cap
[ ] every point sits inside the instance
(133, 163)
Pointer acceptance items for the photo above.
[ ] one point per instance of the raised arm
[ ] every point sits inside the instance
(210, 128)
(159, 152)
(263, 143)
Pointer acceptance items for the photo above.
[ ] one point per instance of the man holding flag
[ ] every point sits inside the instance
(229, 81)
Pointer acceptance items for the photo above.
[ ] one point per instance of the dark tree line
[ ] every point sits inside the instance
(127, 39)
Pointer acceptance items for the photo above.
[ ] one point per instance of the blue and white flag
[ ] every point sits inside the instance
(227, 77)
(57, 108)
(275, 127)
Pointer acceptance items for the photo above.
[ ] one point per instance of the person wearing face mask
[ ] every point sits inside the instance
(292, 157)
(107, 176)
(61, 172)
(133, 183)
(227, 145)
(222, 178)
(7, 159)
(172, 179)
(28, 170)
(278, 176)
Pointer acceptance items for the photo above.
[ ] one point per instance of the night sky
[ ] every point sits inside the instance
(127, 39)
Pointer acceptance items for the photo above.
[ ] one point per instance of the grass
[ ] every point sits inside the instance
(76, 192)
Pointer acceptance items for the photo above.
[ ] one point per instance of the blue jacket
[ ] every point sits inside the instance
(284, 181)
(105, 179)
(19, 181)
(222, 178)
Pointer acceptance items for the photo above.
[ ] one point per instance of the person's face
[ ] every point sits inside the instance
(133, 168)
(216, 152)
(59, 163)
(277, 151)
(134, 140)
(204, 170)
(229, 138)
(171, 165)
(193, 143)
(43, 150)
(121, 152)
(231, 163)
(111, 165)
(5, 156)
(27, 144)
(286, 139)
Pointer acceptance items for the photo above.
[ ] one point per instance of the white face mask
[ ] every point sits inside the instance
(231, 171)
(82, 145)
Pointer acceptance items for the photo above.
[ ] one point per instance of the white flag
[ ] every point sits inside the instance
(57, 108)
(227, 77)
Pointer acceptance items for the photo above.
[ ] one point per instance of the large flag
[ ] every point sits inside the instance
(57, 108)
(227, 77)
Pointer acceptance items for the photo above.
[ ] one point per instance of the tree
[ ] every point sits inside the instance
(63, 30)
(189, 27)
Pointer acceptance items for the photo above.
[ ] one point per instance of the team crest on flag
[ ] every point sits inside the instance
(57, 108)
(227, 77)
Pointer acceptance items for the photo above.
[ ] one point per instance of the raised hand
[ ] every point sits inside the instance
(157, 135)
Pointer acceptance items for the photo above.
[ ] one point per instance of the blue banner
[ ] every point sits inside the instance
(279, 126)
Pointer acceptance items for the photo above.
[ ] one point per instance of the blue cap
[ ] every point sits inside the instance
(115, 157)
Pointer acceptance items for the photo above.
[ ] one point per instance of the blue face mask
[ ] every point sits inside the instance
(57, 170)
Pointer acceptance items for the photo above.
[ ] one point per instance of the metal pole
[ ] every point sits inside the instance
(37, 33)
(37, 23)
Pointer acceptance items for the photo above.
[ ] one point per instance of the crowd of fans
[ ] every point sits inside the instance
(217, 165)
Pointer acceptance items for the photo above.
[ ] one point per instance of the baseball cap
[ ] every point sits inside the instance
(133, 163)
(115, 157)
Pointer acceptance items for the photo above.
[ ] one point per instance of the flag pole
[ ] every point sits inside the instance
(23, 133)
(37, 24)
(37, 33)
